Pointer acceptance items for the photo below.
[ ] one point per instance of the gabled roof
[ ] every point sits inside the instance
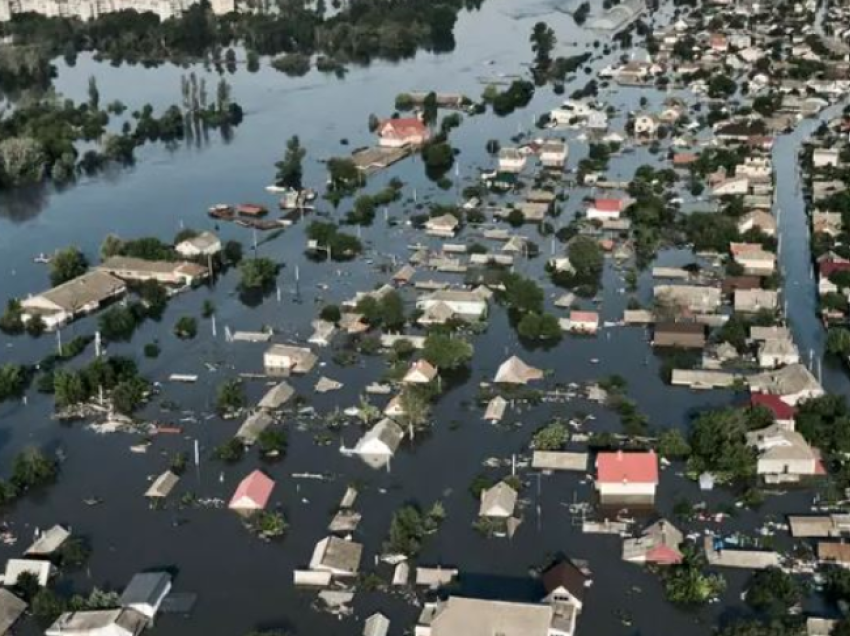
(565, 575)
(608, 205)
(515, 371)
(253, 491)
(627, 467)
(11, 608)
(146, 588)
(774, 403)
(404, 127)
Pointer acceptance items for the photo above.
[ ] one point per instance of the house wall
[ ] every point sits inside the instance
(788, 467)
(633, 492)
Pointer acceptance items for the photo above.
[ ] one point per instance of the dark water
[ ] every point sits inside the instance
(242, 582)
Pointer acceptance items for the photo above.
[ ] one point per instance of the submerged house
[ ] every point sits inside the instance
(515, 371)
(11, 609)
(253, 493)
(77, 297)
(793, 384)
(420, 372)
(288, 359)
(401, 132)
(165, 272)
(480, 617)
(627, 477)
(498, 502)
(146, 592)
(681, 335)
(337, 556)
(114, 622)
(380, 443)
(203, 244)
(783, 454)
(658, 543)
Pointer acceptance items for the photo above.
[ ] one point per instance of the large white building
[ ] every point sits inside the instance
(90, 9)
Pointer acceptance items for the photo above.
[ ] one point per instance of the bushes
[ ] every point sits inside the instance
(230, 397)
(539, 327)
(186, 328)
(257, 274)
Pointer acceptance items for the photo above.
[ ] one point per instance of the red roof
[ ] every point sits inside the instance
(828, 268)
(620, 467)
(404, 127)
(608, 205)
(774, 403)
(253, 492)
(664, 555)
(584, 316)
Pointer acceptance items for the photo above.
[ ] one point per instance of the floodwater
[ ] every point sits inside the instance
(244, 583)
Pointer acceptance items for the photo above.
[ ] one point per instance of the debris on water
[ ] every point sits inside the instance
(92, 501)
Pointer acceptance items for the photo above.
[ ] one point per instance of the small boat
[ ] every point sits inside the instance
(42, 258)
(221, 211)
(276, 189)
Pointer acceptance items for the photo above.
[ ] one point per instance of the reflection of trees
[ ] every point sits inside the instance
(23, 204)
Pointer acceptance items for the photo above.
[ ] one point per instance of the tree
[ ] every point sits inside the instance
(438, 157)
(47, 606)
(267, 525)
(718, 444)
(774, 591)
(290, 171)
(186, 328)
(11, 322)
(74, 553)
(117, 323)
(230, 451)
(838, 341)
(69, 388)
(429, 109)
(543, 42)
(522, 294)
(257, 273)
(415, 407)
(536, 326)
(128, 395)
(22, 160)
(551, 437)
(66, 264)
(673, 445)
(13, 381)
(31, 468)
(825, 423)
(230, 396)
(407, 531)
(447, 353)
(587, 259)
(272, 442)
(343, 173)
(232, 252)
(687, 584)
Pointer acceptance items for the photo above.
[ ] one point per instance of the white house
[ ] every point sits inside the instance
(512, 160)
(113, 622)
(378, 446)
(823, 157)
(627, 476)
(444, 226)
(203, 244)
(146, 592)
(498, 502)
(733, 186)
(74, 298)
(777, 352)
(755, 169)
(337, 556)
(606, 209)
(401, 132)
(420, 372)
(554, 153)
(646, 125)
(783, 454)
(468, 305)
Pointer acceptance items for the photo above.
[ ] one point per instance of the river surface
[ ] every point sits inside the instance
(243, 583)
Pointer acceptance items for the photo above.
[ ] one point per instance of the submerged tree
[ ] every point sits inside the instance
(543, 42)
(290, 171)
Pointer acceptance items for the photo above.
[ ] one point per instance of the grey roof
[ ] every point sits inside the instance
(338, 554)
(162, 485)
(129, 621)
(89, 288)
(476, 617)
(386, 431)
(277, 396)
(253, 425)
(498, 501)
(376, 625)
(515, 371)
(794, 378)
(146, 588)
(11, 608)
(49, 541)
